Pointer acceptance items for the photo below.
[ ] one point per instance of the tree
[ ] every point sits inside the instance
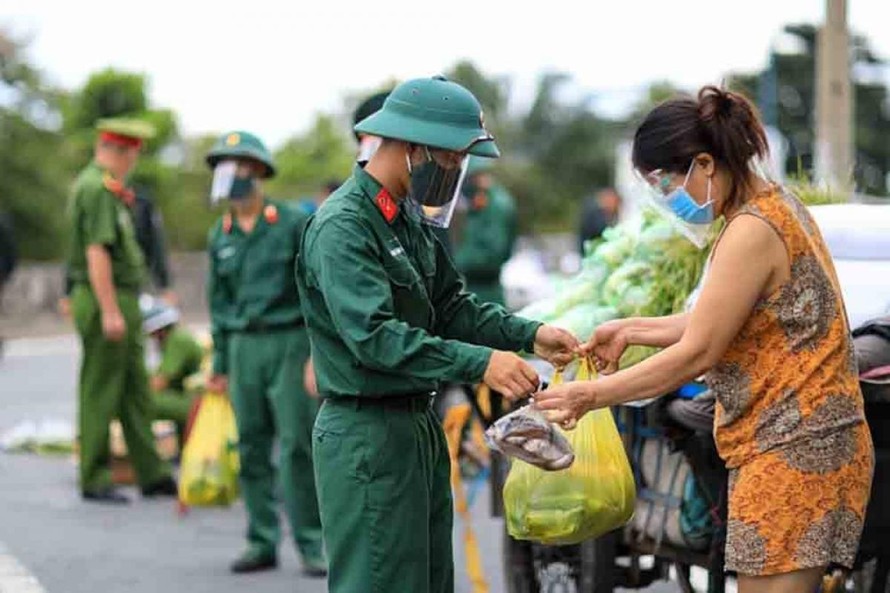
(552, 154)
(786, 95)
(33, 184)
(306, 161)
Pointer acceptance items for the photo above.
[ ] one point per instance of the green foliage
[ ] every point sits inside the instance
(786, 93)
(811, 193)
(555, 152)
(307, 161)
(34, 179)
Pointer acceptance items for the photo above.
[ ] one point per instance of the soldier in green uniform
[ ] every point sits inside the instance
(107, 270)
(260, 350)
(181, 356)
(389, 320)
(487, 233)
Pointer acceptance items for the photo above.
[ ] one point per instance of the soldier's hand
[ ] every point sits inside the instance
(113, 326)
(218, 384)
(510, 376)
(309, 379)
(557, 346)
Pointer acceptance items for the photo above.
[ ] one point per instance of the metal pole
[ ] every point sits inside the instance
(834, 105)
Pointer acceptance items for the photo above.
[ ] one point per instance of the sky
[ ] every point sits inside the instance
(270, 66)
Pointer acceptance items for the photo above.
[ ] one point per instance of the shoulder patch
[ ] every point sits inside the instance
(270, 213)
(386, 204)
(121, 191)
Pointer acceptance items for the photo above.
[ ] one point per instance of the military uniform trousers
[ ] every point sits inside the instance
(269, 399)
(383, 475)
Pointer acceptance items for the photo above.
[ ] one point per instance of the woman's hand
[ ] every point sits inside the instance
(607, 344)
(565, 404)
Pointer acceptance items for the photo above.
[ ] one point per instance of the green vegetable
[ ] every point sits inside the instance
(643, 268)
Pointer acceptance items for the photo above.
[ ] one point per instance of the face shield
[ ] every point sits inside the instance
(670, 198)
(436, 184)
(368, 145)
(231, 181)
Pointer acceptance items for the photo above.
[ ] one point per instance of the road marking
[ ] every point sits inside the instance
(14, 577)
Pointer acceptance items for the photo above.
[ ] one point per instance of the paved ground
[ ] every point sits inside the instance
(72, 547)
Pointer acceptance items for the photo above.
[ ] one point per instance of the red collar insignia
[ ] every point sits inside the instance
(387, 205)
(270, 213)
(227, 223)
(121, 191)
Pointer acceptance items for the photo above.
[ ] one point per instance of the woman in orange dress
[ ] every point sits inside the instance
(769, 330)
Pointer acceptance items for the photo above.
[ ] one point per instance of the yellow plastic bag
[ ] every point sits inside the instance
(209, 468)
(591, 497)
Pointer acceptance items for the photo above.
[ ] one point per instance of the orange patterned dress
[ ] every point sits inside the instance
(790, 422)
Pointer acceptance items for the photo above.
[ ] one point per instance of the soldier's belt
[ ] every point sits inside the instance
(415, 402)
(259, 326)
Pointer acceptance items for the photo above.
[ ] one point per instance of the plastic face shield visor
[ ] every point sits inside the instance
(658, 187)
(436, 185)
(232, 180)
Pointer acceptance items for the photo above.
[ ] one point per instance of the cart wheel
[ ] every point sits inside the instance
(519, 566)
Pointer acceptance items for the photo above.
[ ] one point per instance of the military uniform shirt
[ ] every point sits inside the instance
(386, 310)
(251, 283)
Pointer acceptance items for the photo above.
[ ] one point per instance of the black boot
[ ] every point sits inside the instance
(106, 495)
(253, 561)
(164, 487)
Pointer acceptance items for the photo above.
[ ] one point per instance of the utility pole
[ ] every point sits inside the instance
(834, 101)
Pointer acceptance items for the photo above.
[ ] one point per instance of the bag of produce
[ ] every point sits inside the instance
(209, 468)
(591, 497)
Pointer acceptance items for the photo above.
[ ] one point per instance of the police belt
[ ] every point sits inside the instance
(258, 326)
(420, 401)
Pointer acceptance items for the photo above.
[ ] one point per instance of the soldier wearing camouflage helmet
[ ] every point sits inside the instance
(389, 320)
(484, 241)
(260, 349)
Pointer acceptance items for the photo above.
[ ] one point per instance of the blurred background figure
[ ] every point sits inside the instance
(598, 213)
(8, 256)
(485, 232)
(149, 228)
(310, 205)
(107, 268)
(181, 356)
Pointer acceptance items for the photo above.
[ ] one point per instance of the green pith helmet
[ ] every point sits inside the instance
(479, 165)
(240, 144)
(368, 107)
(433, 112)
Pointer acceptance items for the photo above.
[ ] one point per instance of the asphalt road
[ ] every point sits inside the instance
(48, 534)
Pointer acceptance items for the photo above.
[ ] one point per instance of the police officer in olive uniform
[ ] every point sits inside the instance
(260, 349)
(487, 233)
(389, 319)
(107, 270)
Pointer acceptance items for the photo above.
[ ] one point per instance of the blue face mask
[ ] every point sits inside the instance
(686, 208)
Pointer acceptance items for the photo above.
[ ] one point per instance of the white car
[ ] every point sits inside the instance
(858, 236)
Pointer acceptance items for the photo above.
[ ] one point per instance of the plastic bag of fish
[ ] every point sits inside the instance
(525, 434)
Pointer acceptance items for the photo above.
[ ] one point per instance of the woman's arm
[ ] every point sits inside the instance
(746, 264)
(611, 339)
